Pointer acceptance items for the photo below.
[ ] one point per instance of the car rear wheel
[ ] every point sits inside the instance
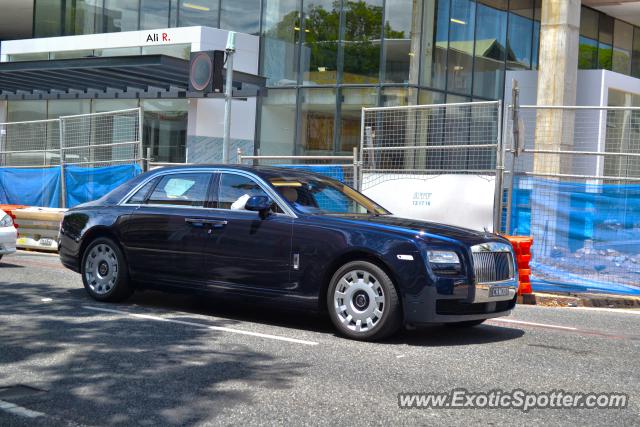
(363, 302)
(104, 271)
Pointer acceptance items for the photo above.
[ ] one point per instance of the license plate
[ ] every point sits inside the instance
(498, 291)
(45, 242)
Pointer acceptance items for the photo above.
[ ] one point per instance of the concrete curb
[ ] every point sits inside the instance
(580, 300)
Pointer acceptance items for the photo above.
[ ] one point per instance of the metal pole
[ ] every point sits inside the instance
(228, 93)
(141, 140)
(239, 152)
(63, 183)
(148, 160)
(497, 199)
(515, 105)
(355, 167)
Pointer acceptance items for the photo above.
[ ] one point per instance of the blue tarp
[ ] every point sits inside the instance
(41, 187)
(87, 184)
(30, 187)
(586, 236)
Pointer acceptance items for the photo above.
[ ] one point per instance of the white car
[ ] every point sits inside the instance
(8, 235)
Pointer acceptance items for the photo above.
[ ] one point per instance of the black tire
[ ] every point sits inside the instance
(465, 324)
(386, 324)
(117, 287)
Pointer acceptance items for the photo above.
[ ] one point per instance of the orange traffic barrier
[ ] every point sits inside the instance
(522, 248)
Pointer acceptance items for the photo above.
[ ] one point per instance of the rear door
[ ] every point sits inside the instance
(243, 250)
(165, 234)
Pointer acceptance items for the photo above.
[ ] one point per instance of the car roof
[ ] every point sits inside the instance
(265, 172)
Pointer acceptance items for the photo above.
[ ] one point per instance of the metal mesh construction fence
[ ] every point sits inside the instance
(573, 184)
(429, 147)
(69, 160)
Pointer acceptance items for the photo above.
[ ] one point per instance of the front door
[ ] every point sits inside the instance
(243, 250)
(165, 234)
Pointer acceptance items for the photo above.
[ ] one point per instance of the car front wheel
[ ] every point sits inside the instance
(363, 302)
(104, 271)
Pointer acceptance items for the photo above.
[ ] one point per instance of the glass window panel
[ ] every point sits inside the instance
(426, 97)
(635, 58)
(589, 23)
(402, 43)
(235, 16)
(435, 36)
(234, 189)
(182, 51)
(320, 42)
(605, 29)
(278, 122)
(40, 56)
(105, 105)
(22, 111)
(71, 54)
(185, 189)
(490, 46)
(165, 129)
(361, 44)
(588, 54)
(68, 107)
(47, 18)
(536, 45)
(154, 14)
(118, 51)
(120, 15)
(622, 45)
(317, 116)
(452, 99)
(199, 12)
(519, 42)
(523, 8)
(353, 99)
(141, 194)
(80, 16)
(605, 55)
(398, 97)
(461, 41)
(279, 53)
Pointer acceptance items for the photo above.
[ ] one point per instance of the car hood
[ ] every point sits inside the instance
(426, 229)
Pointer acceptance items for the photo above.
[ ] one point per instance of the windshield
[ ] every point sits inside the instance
(324, 196)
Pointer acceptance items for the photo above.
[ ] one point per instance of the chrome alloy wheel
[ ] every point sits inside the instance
(359, 300)
(101, 269)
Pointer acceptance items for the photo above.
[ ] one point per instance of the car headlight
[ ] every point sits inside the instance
(6, 221)
(443, 257)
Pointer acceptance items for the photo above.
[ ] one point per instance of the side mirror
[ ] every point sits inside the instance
(260, 204)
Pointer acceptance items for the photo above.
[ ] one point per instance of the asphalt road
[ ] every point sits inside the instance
(171, 359)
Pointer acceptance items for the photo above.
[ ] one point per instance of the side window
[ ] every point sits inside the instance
(235, 190)
(186, 189)
(141, 194)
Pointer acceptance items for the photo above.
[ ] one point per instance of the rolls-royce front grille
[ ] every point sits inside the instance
(492, 266)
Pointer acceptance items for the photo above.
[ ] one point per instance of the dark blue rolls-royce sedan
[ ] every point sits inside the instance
(297, 239)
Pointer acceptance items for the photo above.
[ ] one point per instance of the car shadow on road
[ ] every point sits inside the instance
(102, 368)
(9, 265)
(444, 336)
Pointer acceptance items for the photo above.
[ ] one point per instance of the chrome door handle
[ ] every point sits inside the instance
(215, 223)
(195, 222)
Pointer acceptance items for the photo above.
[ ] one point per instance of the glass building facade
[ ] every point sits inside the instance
(325, 59)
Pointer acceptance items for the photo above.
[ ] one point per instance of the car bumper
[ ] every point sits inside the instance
(432, 307)
(8, 237)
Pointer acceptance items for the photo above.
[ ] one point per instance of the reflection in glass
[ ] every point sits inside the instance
(120, 15)
(165, 129)
(536, 45)
(154, 14)
(491, 33)
(635, 58)
(198, 12)
(461, 38)
(278, 122)
(434, 54)
(71, 54)
(68, 107)
(605, 55)
(589, 23)
(279, 54)
(361, 43)
(47, 18)
(351, 113)
(319, 36)
(519, 41)
(81, 16)
(588, 54)
(622, 44)
(182, 51)
(241, 16)
(317, 116)
(402, 43)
